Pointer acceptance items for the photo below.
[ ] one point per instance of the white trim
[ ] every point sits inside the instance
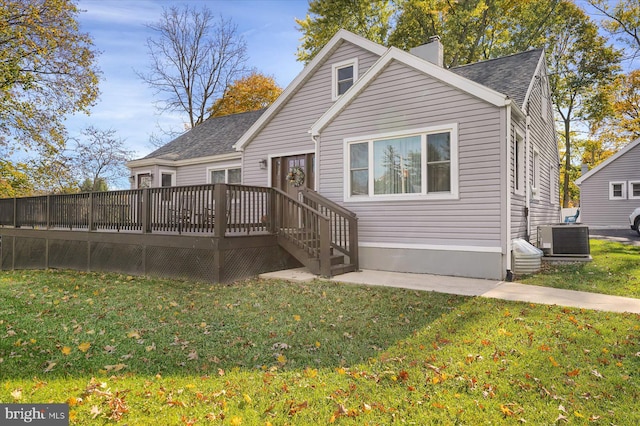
(441, 247)
(536, 164)
(554, 198)
(226, 169)
(176, 163)
(623, 187)
(541, 63)
(519, 157)
(615, 156)
(334, 76)
(453, 194)
(394, 54)
(335, 42)
(630, 189)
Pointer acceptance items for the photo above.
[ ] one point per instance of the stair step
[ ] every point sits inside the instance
(342, 269)
(337, 259)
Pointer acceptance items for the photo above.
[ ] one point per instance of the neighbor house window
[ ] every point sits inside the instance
(422, 162)
(634, 190)
(344, 75)
(519, 162)
(617, 190)
(230, 175)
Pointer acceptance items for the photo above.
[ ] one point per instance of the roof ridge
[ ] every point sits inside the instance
(484, 61)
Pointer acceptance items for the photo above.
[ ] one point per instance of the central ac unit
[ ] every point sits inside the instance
(564, 240)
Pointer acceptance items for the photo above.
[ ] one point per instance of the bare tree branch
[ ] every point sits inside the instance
(193, 59)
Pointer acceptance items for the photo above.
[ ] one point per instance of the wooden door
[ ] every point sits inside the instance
(281, 169)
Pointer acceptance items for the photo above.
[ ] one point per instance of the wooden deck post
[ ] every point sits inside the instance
(91, 225)
(145, 210)
(220, 209)
(325, 247)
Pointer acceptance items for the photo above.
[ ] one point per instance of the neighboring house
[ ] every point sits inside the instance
(443, 167)
(204, 154)
(611, 191)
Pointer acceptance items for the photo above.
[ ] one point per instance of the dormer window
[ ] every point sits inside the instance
(344, 75)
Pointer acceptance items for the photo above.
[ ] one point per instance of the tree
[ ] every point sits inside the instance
(89, 185)
(101, 157)
(193, 59)
(47, 70)
(368, 18)
(622, 21)
(251, 93)
(581, 63)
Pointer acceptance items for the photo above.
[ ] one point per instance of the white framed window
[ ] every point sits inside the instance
(167, 178)
(519, 164)
(344, 74)
(403, 165)
(634, 190)
(535, 174)
(554, 181)
(224, 175)
(143, 179)
(618, 190)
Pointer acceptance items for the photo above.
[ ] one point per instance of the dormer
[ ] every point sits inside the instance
(343, 76)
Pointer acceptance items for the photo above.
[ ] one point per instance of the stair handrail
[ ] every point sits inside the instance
(351, 247)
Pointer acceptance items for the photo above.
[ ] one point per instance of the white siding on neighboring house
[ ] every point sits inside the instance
(596, 207)
(287, 132)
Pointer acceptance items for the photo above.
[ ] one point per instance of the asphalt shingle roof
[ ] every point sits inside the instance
(214, 136)
(509, 75)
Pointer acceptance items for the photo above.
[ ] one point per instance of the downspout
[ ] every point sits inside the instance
(509, 275)
(316, 162)
(527, 143)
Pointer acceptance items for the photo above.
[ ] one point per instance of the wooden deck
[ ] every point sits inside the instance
(215, 233)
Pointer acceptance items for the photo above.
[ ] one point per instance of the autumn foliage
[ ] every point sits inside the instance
(251, 93)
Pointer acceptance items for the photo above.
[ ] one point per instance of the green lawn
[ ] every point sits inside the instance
(615, 270)
(138, 351)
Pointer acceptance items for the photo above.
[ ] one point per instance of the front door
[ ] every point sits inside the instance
(293, 173)
(290, 174)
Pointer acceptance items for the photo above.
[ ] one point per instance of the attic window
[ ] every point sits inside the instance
(344, 74)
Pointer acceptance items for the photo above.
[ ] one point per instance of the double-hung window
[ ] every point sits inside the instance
(229, 175)
(344, 74)
(618, 190)
(422, 162)
(634, 190)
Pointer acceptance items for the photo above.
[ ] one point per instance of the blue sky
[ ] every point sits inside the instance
(117, 27)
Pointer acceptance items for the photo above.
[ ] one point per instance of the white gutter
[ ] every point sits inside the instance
(508, 188)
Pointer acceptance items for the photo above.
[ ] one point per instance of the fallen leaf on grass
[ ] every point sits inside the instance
(66, 350)
(193, 355)
(50, 365)
(109, 349)
(84, 347)
(114, 368)
(95, 412)
(16, 394)
(133, 335)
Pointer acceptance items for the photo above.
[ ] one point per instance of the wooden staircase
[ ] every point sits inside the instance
(319, 233)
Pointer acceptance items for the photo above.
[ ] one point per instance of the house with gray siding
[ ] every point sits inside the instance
(443, 167)
(611, 191)
(204, 154)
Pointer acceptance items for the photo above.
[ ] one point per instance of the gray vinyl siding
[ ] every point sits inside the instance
(401, 98)
(288, 131)
(543, 209)
(595, 207)
(518, 200)
(196, 174)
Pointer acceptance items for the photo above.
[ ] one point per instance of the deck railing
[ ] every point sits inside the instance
(311, 228)
(181, 209)
(343, 224)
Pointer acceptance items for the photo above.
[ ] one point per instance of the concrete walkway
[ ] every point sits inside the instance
(474, 287)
